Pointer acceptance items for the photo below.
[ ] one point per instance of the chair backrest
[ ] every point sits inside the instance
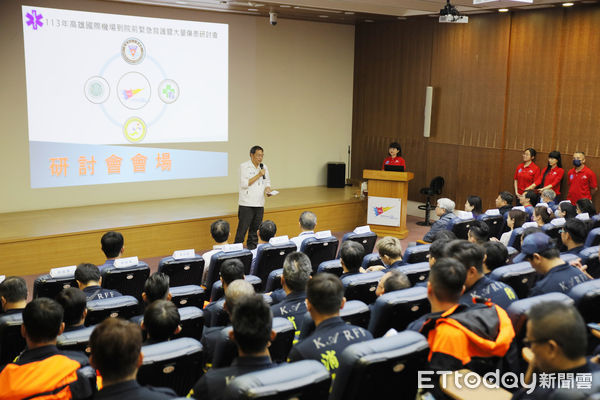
(589, 257)
(47, 286)
(192, 322)
(270, 257)
(176, 364)
(319, 250)
(384, 368)
(436, 185)
(461, 228)
(182, 272)
(362, 286)
(370, 260)
(587, 299)
(553, 231)
(217, 291)
(367, 240)
(416, 254)
(397, 309)
(517, 311)
(332, 267)
(76, 340)
(11, 341)
(217, 259)
(127, 281)
(520, 276)
(220, 317)
(123, 307)
(515, 238)
(188, 295)
(415, 272)
(274, 280)
(593, 238)
(596, 221)
(495, 223)
(302, 380)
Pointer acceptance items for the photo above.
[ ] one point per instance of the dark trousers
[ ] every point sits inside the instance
(249, 217)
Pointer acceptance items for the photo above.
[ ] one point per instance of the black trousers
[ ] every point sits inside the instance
(249, 219)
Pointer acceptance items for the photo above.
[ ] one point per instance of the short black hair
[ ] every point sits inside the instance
(447, 278)
(161, 319)
(325, 293)
(112, 243)
(436, 250)
(352, 254)
(444, 234)
(480, 231)
(296, 271)
(532, 196)
(396, 281)
(396, 145)
(73, 302)
(86, 272)
(530, 231)
(14, 289)
(231, 270)
(586, 206)
(254, 149)
(577, 229)
(475, 202)
(115, 347)
(531, 151)
(496, 255)
(507, 197)
(156, 287)
(469, 254)
(42, 318)
(267, 229)
(219, 230)
(554, 320)
(252, 322)
(569, 209)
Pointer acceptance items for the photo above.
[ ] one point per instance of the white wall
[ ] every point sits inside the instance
(290, 91)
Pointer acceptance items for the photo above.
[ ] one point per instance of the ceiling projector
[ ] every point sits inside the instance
(449, 14)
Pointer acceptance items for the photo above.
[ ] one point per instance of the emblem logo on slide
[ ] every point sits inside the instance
(134, 129)
(168, 91)
(133, 51)
(96, 89)
(133, 90)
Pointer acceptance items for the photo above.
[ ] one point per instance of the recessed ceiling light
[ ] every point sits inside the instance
(369, 20)
(253, 9)
(323, 16)
(503, 10)
(284, 6)
(259, 5)
(181, 2)
(401, 18)
(349, 12)
(567, 4)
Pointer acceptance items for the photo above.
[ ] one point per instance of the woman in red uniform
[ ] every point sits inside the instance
(527, 172)
(395, 158)
(551, 176)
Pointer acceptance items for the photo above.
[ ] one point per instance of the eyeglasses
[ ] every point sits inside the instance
(528, 343)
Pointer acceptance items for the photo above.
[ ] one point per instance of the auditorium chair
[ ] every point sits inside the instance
(512, 252)
(586, 296)
(517, 311)
(300, 380)
(226, 350)
(192, 322)
(11, 341)
(589, 257)
(217, 291)
(319, 250)
(415, 273)
(416, 254)
(270, 257)
(47, 286)
(362, 286)
(123, 307)
(596, 221)
(76, 340)
(367, 239)
(383, 368)
(332, 267)
(371, 259)
(568, 257)
(461, 228)
(397, 309)
(515, 238)
(434, 189)
(495, 223)
(520, 276)
(553, 231)
(593, 238)
(182, 272)
(217, 259)
(128, 280)
(188, 295)
(176, 364)
(274, 280)
(355, 312)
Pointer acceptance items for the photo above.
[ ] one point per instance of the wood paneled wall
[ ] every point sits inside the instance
(502, 83)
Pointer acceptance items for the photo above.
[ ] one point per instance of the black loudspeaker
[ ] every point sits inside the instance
(336, 175)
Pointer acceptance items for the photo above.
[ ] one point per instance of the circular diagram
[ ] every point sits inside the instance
(168, 91)
(134, 129)
(133, 90)
(96, 90)
(133, 51)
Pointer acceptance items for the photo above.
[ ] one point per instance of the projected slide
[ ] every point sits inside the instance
(109, 85)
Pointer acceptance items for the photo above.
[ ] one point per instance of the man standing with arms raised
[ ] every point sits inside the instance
(255, 183)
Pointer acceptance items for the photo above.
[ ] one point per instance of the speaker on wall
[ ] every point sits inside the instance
(336, 175)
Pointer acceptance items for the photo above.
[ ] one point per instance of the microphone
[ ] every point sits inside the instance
(261, 167)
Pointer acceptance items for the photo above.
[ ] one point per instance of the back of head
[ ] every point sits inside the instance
(390, 246)
(13, 289)
(507, 197)
(444, 234)
(577, 229)
(469, 254)
(116, 346)
(219, 230)
(475, 202)
(73, 302)
(531, 196)
(530, 231)
(586, 206)
(545, 213)
(446, 204)
(252, 322)
(86, 273)
(436, 250)
(496, 255)
(562, 323)
(352, 254)
(447, 279)
(156, 287)
(397, 280)
(42, 318)
(308, 221)
(540, 243)
(569, 209)
(237, 290)
(519, 217)
(549, 194)
(231, 270)
(161, 320)
(112, 243)
(296, 271)
(480, 231)
(325, 293)
(266, 230)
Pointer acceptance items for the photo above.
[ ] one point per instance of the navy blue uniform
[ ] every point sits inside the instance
(574, 250)
(210, 338)
(292, 307)
(498, 292)
(131, 390)
(559, 279)
(99, 293)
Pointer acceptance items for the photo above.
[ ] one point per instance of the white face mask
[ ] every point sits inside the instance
(557, 213)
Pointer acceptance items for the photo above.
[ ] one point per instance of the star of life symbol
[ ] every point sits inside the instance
(34, 20)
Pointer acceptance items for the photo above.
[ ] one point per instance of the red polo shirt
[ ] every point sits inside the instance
(580, 184)
(394, 161)
(553, 178)
(525, 176)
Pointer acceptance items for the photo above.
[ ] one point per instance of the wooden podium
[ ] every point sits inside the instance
(391, 185)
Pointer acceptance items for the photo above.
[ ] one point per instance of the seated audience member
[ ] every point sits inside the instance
(566, 210)
(13, 295)
(585, 206)
(116, 352)
(474, 206)
(112, 247)
(390, 252)
(542, 215)
(351, 256)
(548, 196)
(252, 333)
(479, 232)
(436, 250)
(478, 285)
(156, 287)
(89, 280)
(308, 222)
(73, 303)
(445, 211)
(573, 234)
(540, 250)
(42, 369)
(161, 322)
(324, 299)
(392, 280)
(266, 230)
(444, 234)
(557, 339)
(504, 202)
(296, 274)
(231, 270)
(528, 198)
(496, 255)
(219, 230)
(515, 219)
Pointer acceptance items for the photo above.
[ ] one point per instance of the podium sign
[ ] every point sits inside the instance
(384, 211)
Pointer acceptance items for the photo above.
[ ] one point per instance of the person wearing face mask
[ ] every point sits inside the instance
(395, 159)
(527, 172)
(582, 180)
(551, 176)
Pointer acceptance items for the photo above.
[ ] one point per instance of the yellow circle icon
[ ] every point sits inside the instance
(134, 129)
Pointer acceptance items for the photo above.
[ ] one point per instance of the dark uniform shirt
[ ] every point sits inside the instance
(210, 338)
(574, 250)
(559, 279)
(498, 292)
(293, 307)
(131, 390)
(212, 385)
(215, 314)
(99, 293)
(328, 342)
(277, 296)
